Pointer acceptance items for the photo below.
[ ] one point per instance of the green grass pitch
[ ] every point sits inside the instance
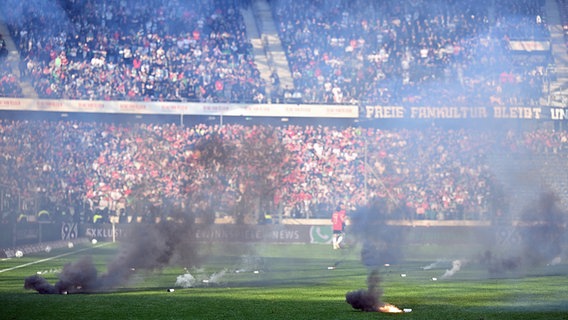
(285, 282)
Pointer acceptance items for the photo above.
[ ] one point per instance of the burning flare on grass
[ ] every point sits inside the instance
(389, 308)
(369, 299)
(381, 246)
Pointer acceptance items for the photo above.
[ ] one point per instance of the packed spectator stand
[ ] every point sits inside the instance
(409, 52)
(75, 169)
(413, 52)
(340, 52)
(136, 50)
(9, 83)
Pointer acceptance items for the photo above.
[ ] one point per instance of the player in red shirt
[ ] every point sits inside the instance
(338, 225)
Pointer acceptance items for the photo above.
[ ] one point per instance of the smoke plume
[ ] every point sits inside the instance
(434, 265)
(534, 240)
(367, 299)
(148, 247)
(78, 276)
(456, 266)
(542, 230)
(186, 280)
(380, 245)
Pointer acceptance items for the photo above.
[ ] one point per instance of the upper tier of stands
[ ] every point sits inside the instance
(409, 52)
(413, 52)
(133, 50)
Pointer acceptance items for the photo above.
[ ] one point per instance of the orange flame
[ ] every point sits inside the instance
(389, 308)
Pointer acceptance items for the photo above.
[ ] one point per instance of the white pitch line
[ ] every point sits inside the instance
(50, 258)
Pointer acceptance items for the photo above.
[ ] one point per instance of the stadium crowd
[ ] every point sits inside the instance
(413, 52)
(405, 52)
(9, 83)
(136, 50)
(78, 170)
(408, 52)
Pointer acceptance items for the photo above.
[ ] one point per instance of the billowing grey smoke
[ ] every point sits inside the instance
(367, 299)
(80, 276)
(381, 244)
(154, 246)
(536, 238)
(456, 266)
(148, 247)
(40, 285)
(542, 230)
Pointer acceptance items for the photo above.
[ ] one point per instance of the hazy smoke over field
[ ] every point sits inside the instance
(542, 242)
(535, 240)
(188, 280)
(148, 247)
(380, 244)
(522, 242)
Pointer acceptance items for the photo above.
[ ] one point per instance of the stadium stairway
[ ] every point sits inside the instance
(14, 61)
(559, 86)
(271, 42)
(258, 49)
